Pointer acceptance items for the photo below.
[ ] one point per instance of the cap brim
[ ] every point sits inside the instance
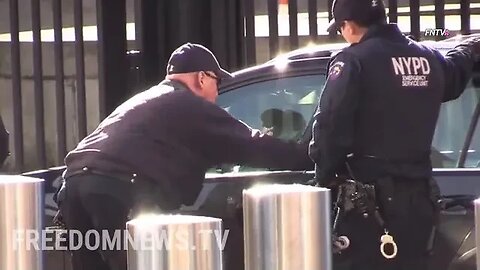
(223, 74)
(333, 26)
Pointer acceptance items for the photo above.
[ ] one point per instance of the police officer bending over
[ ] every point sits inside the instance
(377, 114)
(154, 150)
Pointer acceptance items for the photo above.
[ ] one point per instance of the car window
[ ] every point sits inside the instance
(452, 127)
(285, 106)
(282, 107)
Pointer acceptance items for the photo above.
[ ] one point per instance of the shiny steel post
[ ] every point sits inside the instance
(477, 230)
(173, 242)
(287, 227)
(21, 222)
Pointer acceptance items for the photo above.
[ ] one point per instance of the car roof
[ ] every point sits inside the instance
(326, 51)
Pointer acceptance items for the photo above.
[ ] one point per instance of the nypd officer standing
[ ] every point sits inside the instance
(153, 152)
(375, 122)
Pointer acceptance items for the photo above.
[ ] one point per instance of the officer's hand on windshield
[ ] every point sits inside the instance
(474, 45)
(268, 131)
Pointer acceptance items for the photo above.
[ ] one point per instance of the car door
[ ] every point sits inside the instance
(456, 169)
(456, 144)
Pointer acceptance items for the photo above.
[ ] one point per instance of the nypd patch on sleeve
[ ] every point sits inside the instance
(335, 70)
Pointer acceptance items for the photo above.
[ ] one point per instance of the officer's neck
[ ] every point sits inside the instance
(357, 36)
(353, 32)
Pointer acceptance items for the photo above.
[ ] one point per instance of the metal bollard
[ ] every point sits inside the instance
(287, 227)
(21, 222)
(477, 230)
(173, 242)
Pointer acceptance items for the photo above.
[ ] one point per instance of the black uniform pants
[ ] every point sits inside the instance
(100, 204)
(410, 217)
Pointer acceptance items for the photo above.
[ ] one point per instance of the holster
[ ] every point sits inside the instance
(356, 196)
(58, 198)
(353, 197)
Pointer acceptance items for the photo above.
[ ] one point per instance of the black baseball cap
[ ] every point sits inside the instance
(356, 10)
(194, 58)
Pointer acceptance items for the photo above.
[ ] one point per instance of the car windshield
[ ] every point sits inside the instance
(282, 107)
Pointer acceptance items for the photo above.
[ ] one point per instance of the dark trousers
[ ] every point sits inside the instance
(410, 217)
(97, 203)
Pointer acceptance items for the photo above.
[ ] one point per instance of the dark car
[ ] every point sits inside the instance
(280, 97)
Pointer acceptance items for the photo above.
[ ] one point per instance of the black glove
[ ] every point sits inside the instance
(332, 184)
(313, 182)
(474, 45)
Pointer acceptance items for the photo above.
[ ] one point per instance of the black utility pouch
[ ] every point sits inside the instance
(385, 193)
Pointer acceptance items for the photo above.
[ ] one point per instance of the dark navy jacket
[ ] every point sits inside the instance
(381, 102)
(172, 137)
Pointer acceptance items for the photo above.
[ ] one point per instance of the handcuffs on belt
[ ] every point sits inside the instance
(356, 196)
(388, 239)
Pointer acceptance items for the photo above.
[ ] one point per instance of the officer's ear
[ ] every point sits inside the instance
(353, 32)
(194, 83)
(348, 28)
(354, 29)
(199, 81)
(202, 79)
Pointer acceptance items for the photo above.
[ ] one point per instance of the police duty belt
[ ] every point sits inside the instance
(353, 196)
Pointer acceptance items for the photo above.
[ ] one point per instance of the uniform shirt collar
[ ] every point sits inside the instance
(177, 85)
(389, 31)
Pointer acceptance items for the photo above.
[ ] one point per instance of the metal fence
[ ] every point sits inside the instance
(16, 78)
(227, 26)
(112, 63)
